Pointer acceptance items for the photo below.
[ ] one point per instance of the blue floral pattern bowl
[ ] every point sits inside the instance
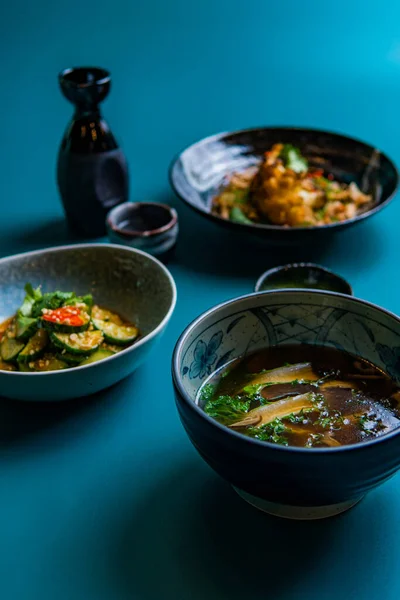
(302, 481)
(132, 283)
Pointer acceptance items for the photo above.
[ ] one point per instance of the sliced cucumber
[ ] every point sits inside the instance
(73, 360)
(4, 366)
(116, 334)
(65, 327)
(25, 328)
(10, 348)
(48, 363)
(35, 347)
(106, 315)
(112, 348)
(83, 343)
(100, 354)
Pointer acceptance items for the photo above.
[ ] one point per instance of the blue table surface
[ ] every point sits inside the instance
(105, 498)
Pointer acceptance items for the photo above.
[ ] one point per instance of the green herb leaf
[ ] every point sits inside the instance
(313, 439)
(369, 423)
(270, 432)
(241, 196)
(293, 158)
(253, 389)
(51, 301)
(88, 300)
(238, 216)
(32, 296)
(227, 409)
(300, 416)
(206, 393)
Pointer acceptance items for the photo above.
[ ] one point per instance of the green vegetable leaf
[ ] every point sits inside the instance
(238, 216)
(241, 196)
(32, 295)
(314, 438)
(270, 432)
(206, 393)
(253, 389)
(51, 301)
(293, 158)
(226, 409)
(88, 300)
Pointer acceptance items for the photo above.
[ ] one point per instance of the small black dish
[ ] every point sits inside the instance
(197, 174)
(147, 226)
(302, 275)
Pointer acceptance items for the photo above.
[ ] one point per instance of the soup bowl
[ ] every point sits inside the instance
(125, 280)
(293, 482)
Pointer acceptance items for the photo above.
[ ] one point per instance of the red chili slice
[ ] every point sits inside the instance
(69, 315)
(316, 173)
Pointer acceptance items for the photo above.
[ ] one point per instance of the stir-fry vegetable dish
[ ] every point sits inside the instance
(285, 190)
(60, 330)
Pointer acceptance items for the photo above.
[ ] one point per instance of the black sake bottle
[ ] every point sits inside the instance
(92, 173)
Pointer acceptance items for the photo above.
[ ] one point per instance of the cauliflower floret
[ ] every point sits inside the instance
(283, 196)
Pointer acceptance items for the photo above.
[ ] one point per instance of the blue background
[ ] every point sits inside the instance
(105, 498)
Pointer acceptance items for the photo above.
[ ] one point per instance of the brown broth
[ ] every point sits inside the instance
(243, 397)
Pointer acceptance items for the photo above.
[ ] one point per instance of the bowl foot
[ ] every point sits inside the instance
(301, 513)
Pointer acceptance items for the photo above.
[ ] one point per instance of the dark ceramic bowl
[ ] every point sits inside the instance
(287, 481)
(198, 173)
(148, 226)
(302, 275)
(130, 282)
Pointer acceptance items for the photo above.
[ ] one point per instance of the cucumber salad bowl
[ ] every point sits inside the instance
(77, 319)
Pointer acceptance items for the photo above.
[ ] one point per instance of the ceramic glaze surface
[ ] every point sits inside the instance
(126, 281)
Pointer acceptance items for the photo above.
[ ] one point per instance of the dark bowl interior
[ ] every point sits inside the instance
(302, 275)
(198, 173)
(141, 218)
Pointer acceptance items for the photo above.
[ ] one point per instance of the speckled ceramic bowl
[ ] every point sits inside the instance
(128, 281)
(287, 481)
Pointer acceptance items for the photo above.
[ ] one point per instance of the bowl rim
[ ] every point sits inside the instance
(296, 265)
(141, 341)
(265, 226)
(177, 379)
(133, 233)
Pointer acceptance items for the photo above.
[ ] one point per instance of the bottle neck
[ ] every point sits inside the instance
(87, 111)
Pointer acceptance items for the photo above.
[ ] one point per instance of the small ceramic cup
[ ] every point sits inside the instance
(147, 226)
(302, 275)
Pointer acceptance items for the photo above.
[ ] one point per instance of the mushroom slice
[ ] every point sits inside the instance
(336, 383)
(330, 441)
(301, 371)
(279, 409)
